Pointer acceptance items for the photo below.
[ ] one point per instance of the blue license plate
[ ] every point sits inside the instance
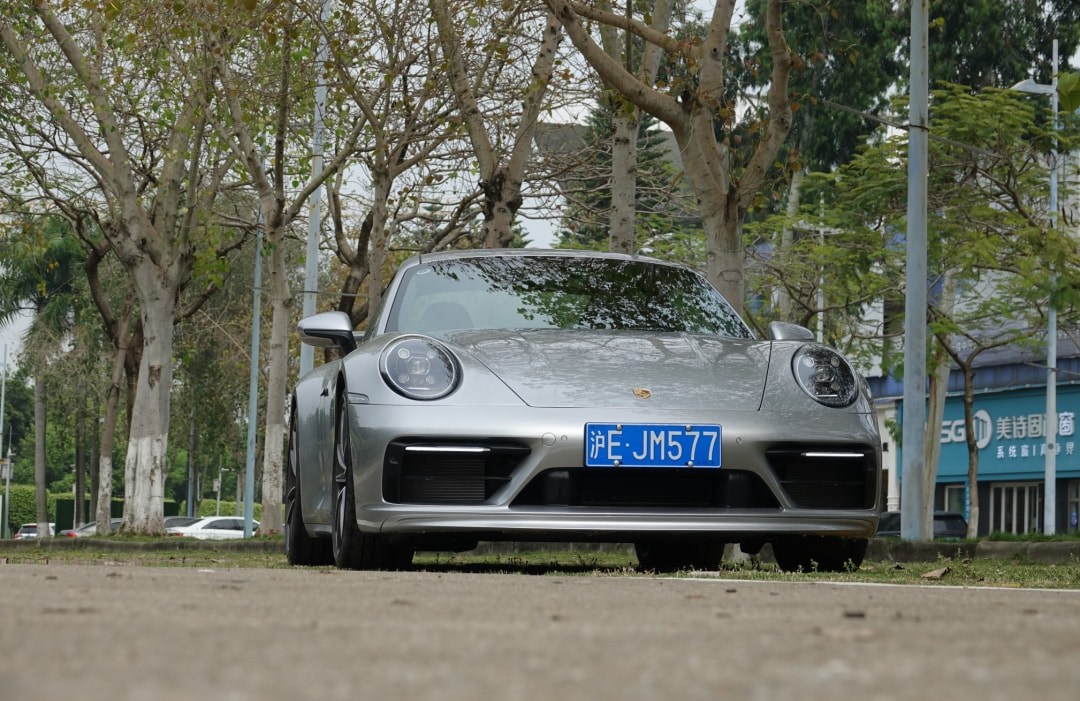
(651, 445)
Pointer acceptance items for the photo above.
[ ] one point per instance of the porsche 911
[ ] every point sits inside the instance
(569, 396)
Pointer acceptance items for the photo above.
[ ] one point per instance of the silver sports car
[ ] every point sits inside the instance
(533, 395)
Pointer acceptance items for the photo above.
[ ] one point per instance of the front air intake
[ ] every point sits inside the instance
(642, 488)
(443, 472)
(827, 479)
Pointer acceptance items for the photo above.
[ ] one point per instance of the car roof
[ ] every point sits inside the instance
(534, 253)
(204, 519)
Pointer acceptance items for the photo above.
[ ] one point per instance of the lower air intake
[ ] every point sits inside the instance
(827, 480)
(443, 473)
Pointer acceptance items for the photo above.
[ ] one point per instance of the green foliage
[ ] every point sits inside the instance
(23, 506)
(664, 224)
(988, 227)
(845, 51)
(209, 507)
(1069, 91)
(995, 43)
(18, 408)
(64, 509)
(40, 268)
(852, 54)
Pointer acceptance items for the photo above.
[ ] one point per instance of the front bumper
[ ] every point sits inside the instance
(538, 489)
(591, 525)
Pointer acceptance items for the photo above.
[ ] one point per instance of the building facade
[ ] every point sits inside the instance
(1010, 421)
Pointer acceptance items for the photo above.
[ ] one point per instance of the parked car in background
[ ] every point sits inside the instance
(948, 525)
(212, 528)
(30, 530)
(571, 395)
(177, 521)
(89, 529)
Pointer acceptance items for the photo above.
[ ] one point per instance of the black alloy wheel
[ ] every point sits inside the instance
(352, 548)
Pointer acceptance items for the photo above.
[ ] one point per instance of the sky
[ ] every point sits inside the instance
(11, 338)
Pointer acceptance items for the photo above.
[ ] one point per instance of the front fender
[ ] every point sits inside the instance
(313, 402)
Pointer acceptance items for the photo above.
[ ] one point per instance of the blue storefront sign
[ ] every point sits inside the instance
(1010, 432)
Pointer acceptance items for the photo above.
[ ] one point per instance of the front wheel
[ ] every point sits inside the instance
(352, 548)
(819, 553)
(300, 548)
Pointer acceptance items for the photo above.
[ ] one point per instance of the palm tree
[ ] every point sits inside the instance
(39, 273)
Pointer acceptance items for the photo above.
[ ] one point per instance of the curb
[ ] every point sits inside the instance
(891, 550)
(253, 545)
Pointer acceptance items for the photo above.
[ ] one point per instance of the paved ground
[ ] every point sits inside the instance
(128, 633)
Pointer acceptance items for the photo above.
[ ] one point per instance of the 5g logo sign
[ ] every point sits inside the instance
(953, 431)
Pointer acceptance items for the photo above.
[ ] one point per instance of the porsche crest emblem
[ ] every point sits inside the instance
(642, 393)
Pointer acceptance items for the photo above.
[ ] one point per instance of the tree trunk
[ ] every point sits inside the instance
(722, 200)
(108, 433)
(499, 181)
(80, 463)
(973, 451)
(39, 459)
(623, 179)
(274, 435)
(784, 306)
(705, 164)
(627, 122)
(145, 464)
(94, 459)
(502, 199)
(378, 240)
(939, 387)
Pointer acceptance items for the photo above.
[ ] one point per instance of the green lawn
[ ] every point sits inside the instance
(586, 562)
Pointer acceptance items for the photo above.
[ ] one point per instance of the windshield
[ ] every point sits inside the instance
(545, 292)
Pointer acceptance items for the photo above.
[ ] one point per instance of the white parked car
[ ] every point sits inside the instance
(213, 528)
(30, 530)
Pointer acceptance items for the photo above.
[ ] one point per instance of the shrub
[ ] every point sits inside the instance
(23, 506)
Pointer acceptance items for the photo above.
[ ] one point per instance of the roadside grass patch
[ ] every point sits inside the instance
(1015, 572)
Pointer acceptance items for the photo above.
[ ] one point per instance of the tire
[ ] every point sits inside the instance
(671, 556)
(300, 548)
(819, 553)
(350, 547)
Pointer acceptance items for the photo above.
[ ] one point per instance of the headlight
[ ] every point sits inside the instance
(826, 376)
(419, 368)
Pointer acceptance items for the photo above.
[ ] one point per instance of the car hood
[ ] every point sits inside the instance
(588, 368)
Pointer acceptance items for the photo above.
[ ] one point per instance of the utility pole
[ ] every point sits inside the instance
(915, 516)
(253, 390)
(311, 270)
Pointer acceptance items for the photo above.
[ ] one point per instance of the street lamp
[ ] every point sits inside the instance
(217, 486)
(1050, 505)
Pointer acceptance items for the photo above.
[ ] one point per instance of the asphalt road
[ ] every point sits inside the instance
(130, 633)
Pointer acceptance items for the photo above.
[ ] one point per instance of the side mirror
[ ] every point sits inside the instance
(786, 331)
(328, 329)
